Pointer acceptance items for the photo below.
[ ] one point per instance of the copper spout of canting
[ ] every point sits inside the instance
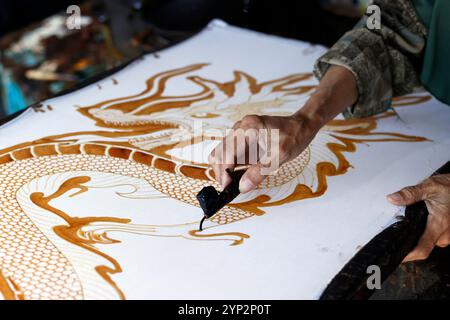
(201, 223)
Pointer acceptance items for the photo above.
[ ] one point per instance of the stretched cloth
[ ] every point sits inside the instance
(97, 187)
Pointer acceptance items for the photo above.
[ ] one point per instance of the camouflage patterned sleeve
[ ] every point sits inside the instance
(385, 62)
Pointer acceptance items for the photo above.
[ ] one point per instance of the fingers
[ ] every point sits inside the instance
(224, 178)
(409, 195)
(257, 173)
(228, 154)
(219, 165)
(251, 179)
(428, 240)
(238, 148)
(214, 160)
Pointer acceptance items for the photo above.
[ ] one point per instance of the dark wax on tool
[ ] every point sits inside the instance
(212, 201)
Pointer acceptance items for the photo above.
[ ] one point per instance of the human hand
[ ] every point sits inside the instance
(336, 91)
(294, 134)
(435, 191)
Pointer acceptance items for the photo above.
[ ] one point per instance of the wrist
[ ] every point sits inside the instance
(314, 112)
(337, 90)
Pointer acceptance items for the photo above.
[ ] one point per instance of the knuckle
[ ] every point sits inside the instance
(237, 124)
(440, 184)
(408, 192)
(436, 183)
(255, 178)
(431, 182)
(250, 120)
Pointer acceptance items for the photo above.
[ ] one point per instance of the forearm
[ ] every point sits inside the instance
(385, 62)
(337, 90)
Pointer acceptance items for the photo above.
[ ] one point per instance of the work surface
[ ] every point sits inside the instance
(97, 188)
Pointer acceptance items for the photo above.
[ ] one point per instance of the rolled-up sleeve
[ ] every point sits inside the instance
(385, 62)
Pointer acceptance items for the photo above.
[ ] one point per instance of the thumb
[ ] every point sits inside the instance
(408, 195)
(251, 179)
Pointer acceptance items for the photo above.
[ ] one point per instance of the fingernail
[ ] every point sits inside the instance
(395, 197)
(246, 186)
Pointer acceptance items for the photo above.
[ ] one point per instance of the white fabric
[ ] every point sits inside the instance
(293, 250)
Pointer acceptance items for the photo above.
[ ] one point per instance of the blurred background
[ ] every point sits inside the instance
(40, 57)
